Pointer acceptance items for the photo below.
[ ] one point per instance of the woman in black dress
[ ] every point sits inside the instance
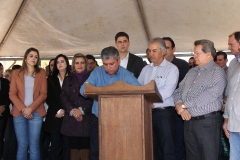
(55, 110)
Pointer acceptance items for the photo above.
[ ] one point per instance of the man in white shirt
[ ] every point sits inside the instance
(129, 61)
(165, 75)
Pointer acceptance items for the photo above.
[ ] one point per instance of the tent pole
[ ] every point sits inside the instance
(13, 22)
(143, 18)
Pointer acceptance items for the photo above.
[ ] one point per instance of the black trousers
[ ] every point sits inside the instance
(202, 138)
(56, 141)
(163, 133)
(66, 147)
(179, 138)
(10, 143)
(94, 147)
(3, 123)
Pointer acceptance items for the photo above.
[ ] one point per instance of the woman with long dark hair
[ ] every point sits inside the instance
(28, 90)
(55, 110)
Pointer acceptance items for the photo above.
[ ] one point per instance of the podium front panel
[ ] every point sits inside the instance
(125, 128)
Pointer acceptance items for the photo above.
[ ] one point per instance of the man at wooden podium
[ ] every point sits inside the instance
(165, 75)
(110, 72)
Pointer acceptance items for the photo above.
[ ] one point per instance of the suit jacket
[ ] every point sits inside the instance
(4, 97)
(17, 92)
(135, 64)
(53, 124)
(183, 68)
(225, 69)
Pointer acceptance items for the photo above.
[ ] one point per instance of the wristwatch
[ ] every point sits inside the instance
(183, 106)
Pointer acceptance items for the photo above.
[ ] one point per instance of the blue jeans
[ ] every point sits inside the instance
(28, 135)
(234, 145)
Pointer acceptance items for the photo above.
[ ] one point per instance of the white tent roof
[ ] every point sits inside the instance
(88, 26)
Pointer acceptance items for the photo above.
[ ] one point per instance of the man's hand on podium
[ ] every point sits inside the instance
(152, 105)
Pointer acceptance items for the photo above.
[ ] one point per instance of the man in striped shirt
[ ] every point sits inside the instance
(198, 100)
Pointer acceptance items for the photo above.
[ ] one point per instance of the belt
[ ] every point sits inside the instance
(159, 109)
(206, 115)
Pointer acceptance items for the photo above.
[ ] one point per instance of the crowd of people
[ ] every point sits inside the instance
(45, 114)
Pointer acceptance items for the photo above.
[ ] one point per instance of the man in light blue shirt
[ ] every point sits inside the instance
(231, 114)
(110, 72)
(163, 114)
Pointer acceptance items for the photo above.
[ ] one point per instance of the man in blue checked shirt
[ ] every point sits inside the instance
(165, 75)
(110, 72)
(199, 100)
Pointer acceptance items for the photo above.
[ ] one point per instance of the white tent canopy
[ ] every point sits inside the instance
(88, 26)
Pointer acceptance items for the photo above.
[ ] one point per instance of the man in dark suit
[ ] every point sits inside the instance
(183, 69)
(221, 60)
(129, 61)
(4, 106)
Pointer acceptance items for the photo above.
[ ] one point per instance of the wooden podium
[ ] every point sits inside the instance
(125, 120)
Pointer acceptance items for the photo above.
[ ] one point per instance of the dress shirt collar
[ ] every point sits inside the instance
(164, 63)
(118, 71)
(237, 55)
(207, 66)
(126, 58)
(61, 81)
(238, 59)
(124, 61)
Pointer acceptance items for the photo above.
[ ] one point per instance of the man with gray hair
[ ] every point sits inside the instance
(110, 72)
(165, 75)
(199, 100)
